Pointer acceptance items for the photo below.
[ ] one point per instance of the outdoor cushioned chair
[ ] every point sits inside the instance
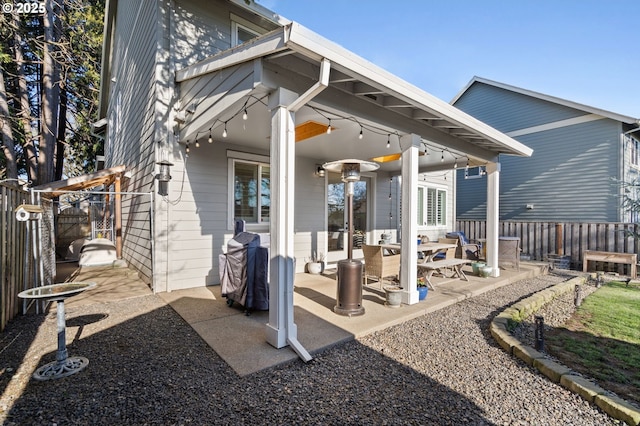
(378, 265)
(466, 249)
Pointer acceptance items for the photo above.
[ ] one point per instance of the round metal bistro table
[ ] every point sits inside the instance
(64, 365)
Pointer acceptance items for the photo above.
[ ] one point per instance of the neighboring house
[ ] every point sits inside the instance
(581, 155)
(247, 106)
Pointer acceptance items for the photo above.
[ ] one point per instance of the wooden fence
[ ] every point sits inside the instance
(539, 240)
(26, 251)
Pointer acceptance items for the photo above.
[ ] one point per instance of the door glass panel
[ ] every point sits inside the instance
(359, 213)
(337, 213)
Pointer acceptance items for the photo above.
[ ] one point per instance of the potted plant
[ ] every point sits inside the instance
(315, 264)
(422, 288)
(393, 295)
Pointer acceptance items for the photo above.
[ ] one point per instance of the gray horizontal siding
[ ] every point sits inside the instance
(130, 139)
(508, 111)
(568, 178)
(201, 29)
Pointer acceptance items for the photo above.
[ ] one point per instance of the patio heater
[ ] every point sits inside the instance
(349, 292)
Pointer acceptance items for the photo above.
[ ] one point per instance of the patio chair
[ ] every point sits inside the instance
(378, 265)
(466, 249)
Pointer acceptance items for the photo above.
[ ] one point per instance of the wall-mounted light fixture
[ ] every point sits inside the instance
(164, 177)
(319, 171)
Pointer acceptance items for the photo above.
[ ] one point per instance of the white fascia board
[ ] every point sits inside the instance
(307, 42)
(575, 105)
(269, 43)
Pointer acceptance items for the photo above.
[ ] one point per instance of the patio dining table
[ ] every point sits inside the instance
(429, 249)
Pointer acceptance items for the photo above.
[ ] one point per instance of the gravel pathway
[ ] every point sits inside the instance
(147, 366)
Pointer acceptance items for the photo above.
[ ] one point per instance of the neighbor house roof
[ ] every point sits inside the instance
(575, 105)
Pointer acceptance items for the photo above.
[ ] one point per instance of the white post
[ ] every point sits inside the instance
(281, 267)
(493, 216)
(410, 145)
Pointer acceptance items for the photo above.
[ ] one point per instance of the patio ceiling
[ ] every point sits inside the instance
(360, 98)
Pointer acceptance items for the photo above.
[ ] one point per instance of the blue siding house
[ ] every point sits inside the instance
(581, 153)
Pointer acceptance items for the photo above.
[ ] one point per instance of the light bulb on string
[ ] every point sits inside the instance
(455, 164)
(245, 115)
(210, 139)
(442, 157)
(466, 168)
(197, 144)
(187, 148)
(224, 132)
(329, 127)
(388, 141)
(360, 136)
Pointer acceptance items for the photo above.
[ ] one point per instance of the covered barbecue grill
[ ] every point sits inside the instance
(244, 271)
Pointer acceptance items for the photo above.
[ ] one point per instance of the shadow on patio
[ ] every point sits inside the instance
(240, 339)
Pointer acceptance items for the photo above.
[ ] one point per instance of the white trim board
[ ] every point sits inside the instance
(555, 125)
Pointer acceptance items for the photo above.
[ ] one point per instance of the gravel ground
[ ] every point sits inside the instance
(147, 366)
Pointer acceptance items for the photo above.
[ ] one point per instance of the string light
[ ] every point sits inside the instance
(197, 144)
(243, 111)
(466, 168)
(187, 148)
(455, 164)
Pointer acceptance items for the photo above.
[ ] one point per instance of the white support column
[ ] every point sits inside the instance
(281, 266)
(493, 216)
(410, 145)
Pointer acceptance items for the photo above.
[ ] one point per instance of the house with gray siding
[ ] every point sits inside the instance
(582, 153)
(247, 107)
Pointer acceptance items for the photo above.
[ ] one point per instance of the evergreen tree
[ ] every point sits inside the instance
(49, 84)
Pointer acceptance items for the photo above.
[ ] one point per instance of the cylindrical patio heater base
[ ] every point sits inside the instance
(349, 294)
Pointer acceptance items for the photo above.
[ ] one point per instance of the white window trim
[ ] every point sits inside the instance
(633, 141)
(425, 225)
(241, 23)
(245, 157)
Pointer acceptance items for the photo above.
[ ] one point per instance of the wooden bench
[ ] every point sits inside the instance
(611, 257)
(430, 268)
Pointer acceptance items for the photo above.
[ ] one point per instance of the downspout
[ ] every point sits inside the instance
(323, 83)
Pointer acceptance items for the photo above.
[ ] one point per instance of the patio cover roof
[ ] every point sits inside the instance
(291, 57)
(80, 183)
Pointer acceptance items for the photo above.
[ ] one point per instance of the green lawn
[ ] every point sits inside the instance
(602, 339)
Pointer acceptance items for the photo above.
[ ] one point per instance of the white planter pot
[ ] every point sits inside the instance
(314, 267)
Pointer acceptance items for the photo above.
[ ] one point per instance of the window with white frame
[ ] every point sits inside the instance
(634, 146)
(243, 30)
(432, 206)
(251, 191)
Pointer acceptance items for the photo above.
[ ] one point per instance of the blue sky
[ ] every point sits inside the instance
(585, 51)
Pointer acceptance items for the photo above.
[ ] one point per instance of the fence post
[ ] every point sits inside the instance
(559, 238)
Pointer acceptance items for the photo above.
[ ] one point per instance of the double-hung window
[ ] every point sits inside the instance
(251, 191)
(432, 206)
